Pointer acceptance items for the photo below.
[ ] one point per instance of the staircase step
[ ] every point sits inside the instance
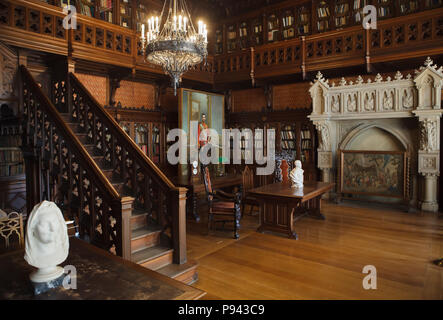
(66, 116)
(119, 187)
(108, 173)
(144, 238)
(74, 126)
(153, 258)
(138, 219)
(90, 148)
(186, 273)
(83, 137)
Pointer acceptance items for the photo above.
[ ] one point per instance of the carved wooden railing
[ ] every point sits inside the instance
(410, 36)
(154, 193)
(36, 25)
(59, 169)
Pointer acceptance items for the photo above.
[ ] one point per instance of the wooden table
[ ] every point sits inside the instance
(100, 276)
(194, 189)
(281, 205)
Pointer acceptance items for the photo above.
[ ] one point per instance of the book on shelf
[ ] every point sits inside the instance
(342, 8)
(323, 12)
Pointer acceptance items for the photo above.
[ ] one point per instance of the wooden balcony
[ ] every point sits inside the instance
(35, 25)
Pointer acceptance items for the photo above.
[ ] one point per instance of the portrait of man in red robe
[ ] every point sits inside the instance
(203, 132)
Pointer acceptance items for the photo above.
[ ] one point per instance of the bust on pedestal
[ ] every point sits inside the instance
(296, 175)
(47, 246)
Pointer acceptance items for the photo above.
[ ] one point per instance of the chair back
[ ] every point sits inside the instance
(10, 226)
(207, 181)
(248, 180)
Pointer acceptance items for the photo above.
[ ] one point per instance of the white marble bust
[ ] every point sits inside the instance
(296, 175)
(47, 242)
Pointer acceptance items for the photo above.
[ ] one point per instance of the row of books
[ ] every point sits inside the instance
(144, 148)
(288, 21)
(323, 25)
(306, 145)
(288, 144)
(342, 8)
(156, 137)
(288, 134)
(323, 12)
(411, 7)
(341, 21)
(9, 155)
(87, 7)
(11, 170)
(360, 4)
(384, 11)
(273, 35)
(306, 134)
(289, 33)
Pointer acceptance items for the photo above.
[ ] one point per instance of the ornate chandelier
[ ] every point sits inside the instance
(176, 46)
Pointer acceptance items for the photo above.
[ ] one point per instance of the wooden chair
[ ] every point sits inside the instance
(248, 184)
(223, 207)
(12, 225)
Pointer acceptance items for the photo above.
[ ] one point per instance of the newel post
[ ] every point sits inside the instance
(178, 212)
(126, 208)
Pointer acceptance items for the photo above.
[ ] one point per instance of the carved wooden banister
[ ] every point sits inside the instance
(64, 172)
(153, 192)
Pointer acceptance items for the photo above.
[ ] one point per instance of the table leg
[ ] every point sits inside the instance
(315, 208)
(292, 233)
(261, 212)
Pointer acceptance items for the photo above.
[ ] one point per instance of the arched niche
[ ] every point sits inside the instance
(374, 138)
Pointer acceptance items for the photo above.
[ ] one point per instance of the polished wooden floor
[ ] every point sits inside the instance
(327, 261)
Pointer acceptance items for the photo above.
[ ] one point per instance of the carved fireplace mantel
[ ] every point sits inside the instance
(367, 103)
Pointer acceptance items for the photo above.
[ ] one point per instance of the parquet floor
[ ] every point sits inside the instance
(327, 261)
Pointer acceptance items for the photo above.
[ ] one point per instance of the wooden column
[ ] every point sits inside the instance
(178, 211)
(126, 208)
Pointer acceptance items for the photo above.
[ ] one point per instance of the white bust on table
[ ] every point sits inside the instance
(296, 175)
(47, 242)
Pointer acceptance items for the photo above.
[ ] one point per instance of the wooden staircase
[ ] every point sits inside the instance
(151, 231)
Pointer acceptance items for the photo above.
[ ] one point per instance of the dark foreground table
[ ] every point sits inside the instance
(100, 276)
(282, 205)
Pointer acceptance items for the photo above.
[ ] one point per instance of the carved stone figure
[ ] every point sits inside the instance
(47, 243)
(428, 138)
(335, 105)
(388, 101)
(408, 99)
(352, 103)
(296, 175)
(369, 101)
(324, 138)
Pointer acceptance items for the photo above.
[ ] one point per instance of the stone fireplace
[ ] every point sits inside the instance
(400, 114)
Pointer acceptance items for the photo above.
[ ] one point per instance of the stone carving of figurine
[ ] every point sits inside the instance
(47, 242)
(296, 175)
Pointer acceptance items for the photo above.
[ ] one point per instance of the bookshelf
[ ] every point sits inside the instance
(306, 148)
(408, 6)
(273, 28)
(232, 38)
(304, 20)
(432, 4)
(125, 14)
(289, 139)
(323, 15)
(105, 10)
(155, 144)
(342, 13)
(288, 23)
(11, 162)
(141, 15)
(257, 32)
(141, 137)
(357, 8)
(243, 35)
(87, 7)
(219, 41)
(385, 9)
